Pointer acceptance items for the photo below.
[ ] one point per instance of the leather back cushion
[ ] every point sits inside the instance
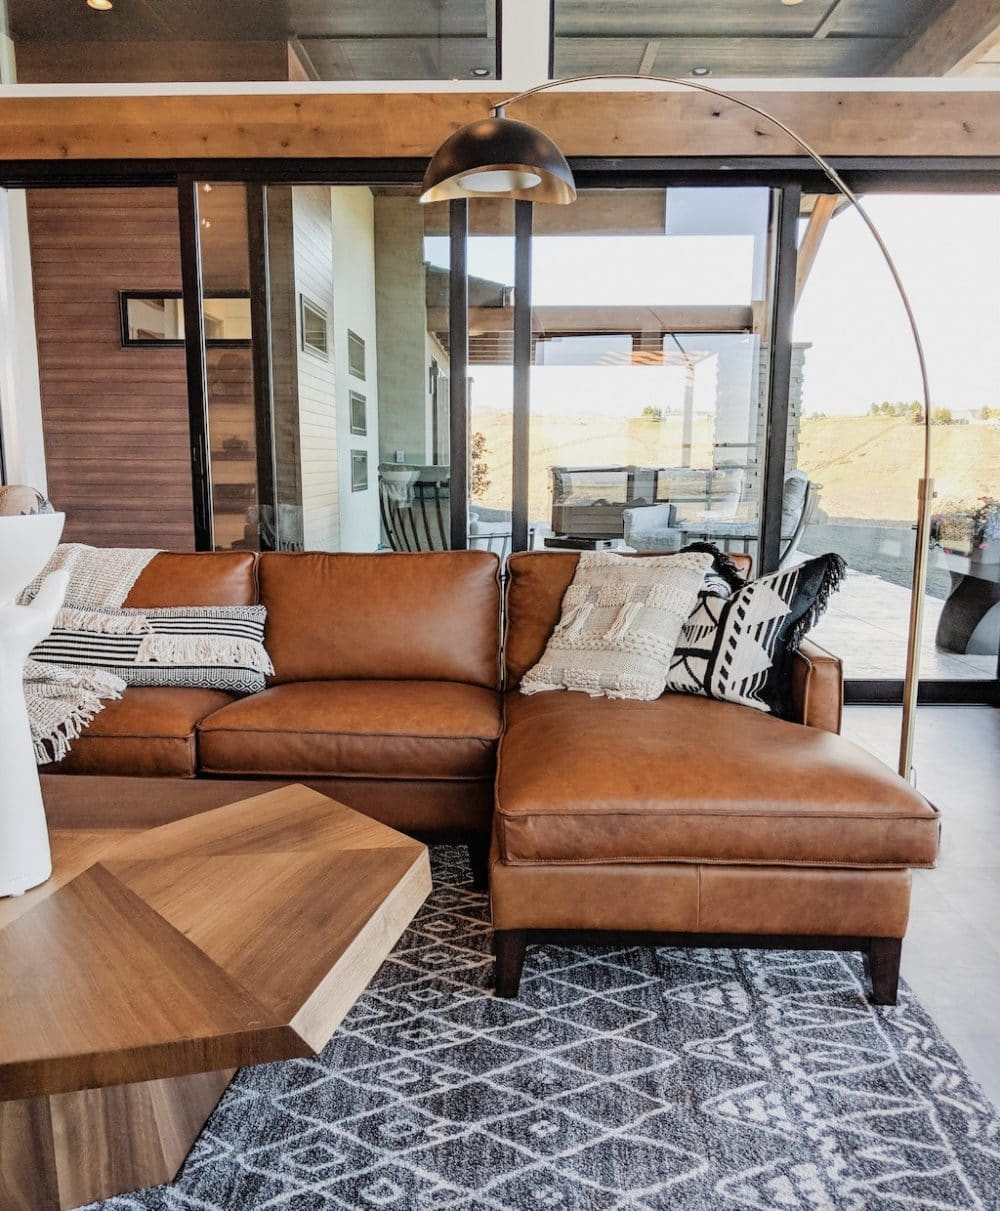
(428, 616)
(175, 578)
(535, 588)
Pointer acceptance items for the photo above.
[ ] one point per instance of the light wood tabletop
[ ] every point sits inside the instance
(238, 935)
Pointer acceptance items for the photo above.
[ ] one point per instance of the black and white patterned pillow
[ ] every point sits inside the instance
(188, 647)
(738, 642)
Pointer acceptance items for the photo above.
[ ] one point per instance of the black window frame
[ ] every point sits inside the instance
(170, 342)
(911, 174)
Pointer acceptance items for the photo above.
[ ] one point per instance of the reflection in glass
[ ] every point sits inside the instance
(361, 434)
(159, 318)
(858, 440)
(648, 382)
(229, 365)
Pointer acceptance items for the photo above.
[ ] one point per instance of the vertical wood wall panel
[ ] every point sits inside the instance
(115, 419)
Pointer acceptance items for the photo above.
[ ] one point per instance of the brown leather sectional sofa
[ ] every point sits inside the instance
(682, 820)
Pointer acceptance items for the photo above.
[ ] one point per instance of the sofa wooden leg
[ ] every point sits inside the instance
(883, 968)
(509, 946)
(479, 860)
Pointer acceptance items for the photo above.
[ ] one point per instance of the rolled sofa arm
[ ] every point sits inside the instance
(817, 688)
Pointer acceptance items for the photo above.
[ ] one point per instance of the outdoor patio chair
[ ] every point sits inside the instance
(659, 528)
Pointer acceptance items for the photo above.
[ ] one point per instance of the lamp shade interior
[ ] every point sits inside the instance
(501, 158)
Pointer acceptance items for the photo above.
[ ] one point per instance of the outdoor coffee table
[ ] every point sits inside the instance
(159, 959)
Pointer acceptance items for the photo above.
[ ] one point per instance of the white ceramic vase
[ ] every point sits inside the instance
(25, 546)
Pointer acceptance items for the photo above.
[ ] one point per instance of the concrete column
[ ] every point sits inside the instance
(401, 322)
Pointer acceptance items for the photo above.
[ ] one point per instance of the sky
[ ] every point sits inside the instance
(947, 248)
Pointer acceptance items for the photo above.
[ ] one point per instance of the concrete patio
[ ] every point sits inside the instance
(866, 627)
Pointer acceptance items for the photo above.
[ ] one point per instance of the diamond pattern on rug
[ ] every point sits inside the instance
(621, 1080)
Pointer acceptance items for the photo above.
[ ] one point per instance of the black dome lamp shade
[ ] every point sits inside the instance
(500, 157)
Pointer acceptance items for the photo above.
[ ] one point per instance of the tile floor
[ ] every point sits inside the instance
(951, 956)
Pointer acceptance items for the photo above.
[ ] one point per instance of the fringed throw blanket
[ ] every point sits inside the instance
(98, 577)
(61, 701)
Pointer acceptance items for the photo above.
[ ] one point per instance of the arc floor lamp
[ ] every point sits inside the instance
(499, 157)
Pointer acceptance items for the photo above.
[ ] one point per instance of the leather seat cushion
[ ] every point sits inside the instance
(148, 732)
(687, 779)
(381, 729)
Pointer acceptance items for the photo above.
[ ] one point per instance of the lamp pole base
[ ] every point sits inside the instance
(911, 683)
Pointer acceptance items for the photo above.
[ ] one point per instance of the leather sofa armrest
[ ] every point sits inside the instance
(817, 688)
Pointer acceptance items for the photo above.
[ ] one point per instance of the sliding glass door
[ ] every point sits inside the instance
(651, 366)
(858, 434)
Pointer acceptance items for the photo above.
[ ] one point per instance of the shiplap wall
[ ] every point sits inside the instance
(313, 242)
(354, 311)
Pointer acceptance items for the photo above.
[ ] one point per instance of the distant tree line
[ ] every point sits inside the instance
(912, 410)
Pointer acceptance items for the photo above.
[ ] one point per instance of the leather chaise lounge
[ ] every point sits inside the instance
(682, 821)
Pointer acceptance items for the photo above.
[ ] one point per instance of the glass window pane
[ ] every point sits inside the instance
(859, 439)
(491, 373)
(225, 268)
(648, 380)
(361, 430)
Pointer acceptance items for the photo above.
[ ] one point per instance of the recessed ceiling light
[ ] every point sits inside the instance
(791, 3)
(701, 71)
(102, 6)
(480, 71)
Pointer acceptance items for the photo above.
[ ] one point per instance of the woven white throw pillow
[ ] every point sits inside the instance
(621, 619)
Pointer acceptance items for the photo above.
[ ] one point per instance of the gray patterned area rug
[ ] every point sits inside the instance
(621, 1078)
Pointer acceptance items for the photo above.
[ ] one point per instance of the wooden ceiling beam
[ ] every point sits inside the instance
(311, 125)
(824, 208)
(956, 39)
(648, 60)
(829, 19)
(604, 319)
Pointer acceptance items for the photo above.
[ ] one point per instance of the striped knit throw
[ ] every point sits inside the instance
(621, 619)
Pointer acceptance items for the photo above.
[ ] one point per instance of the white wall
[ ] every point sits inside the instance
(352, 208)
(20, 395)
(313, 253)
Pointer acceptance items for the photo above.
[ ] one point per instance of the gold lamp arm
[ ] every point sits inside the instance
(925, 491)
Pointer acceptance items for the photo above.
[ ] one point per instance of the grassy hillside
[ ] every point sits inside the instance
(868, 466)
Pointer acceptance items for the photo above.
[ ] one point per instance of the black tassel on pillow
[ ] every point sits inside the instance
(834, 571)
(722, 563)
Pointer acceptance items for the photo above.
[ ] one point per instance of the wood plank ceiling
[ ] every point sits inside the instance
(64, 41)
(736, 37)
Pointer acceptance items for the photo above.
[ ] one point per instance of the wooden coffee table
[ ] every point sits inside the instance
(159, 959)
